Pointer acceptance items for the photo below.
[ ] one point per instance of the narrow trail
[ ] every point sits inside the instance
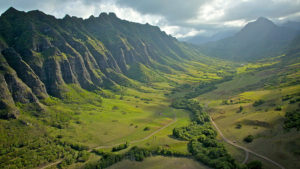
(247, 151)
(110, 146)
(51, 164)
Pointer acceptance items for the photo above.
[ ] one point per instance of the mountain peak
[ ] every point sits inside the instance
(108, 15)
(112, 14)
(262, 24)
(10, 11)
(67, 16)
(264, 20)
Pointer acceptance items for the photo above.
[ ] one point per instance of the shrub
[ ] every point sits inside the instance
(78, 147)
(292, 120)
(225, 102)
(146, 128)
(287, 97)
(83, 156)
(278, 108)
(98, 152)
(115, 108)
(120, 147)
(249, 138)
(238, 126)
(258, 102)
(240, 109)
(254, 165)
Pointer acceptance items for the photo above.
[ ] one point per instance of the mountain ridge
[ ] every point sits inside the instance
(45, 53)
(259, 39)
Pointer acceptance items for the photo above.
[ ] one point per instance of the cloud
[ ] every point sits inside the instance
(236, 23)
(214, 15)
(176, 17)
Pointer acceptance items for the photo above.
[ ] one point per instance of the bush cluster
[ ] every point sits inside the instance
(202, 138)
(120, 147)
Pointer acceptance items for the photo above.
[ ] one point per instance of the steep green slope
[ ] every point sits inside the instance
(42, 54)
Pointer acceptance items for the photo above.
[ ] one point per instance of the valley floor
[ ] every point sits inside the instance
(143, 117)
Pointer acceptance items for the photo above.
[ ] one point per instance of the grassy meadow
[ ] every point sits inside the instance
(160, 162)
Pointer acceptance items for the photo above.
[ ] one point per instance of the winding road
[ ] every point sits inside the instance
(247, 151)
(110, 146)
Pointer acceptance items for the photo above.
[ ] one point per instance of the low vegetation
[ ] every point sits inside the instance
(254, 165)
(292, 120)
(258, 103)
(120, 147)
(135, 154)
(202, 138)
(249, 139)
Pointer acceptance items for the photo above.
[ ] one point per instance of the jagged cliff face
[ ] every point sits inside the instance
(40, 54)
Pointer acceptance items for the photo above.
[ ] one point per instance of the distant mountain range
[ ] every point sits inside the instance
(258, 39)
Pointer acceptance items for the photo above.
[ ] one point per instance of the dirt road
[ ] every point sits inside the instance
(247, 151)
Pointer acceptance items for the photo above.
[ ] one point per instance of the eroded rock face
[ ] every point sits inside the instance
(25, 73)
(7, 104)
(67, 72)
(13, 90)
(19, 91)
(40, 54)
(52, 77)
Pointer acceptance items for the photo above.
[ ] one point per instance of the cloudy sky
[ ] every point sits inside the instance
(180, 18)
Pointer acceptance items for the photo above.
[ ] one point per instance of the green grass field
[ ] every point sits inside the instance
(160, 162)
